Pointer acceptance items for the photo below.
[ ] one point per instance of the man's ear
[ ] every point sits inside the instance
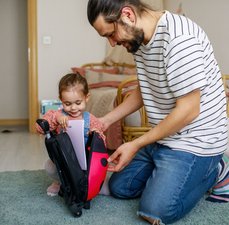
(128, 15)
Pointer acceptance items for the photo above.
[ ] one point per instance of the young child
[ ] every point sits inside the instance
(74, 95)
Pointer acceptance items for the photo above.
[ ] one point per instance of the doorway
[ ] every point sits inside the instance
(33, 104)
(13, 64)
(19, 99)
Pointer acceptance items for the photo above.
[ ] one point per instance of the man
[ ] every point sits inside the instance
(174, 164)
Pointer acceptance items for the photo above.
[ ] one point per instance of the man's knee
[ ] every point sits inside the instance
(121, 189)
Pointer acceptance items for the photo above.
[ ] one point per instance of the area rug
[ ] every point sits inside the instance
(23, 201)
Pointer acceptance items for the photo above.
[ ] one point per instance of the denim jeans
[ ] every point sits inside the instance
(168, 182)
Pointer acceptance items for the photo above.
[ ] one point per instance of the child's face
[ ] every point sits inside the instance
(74, 101)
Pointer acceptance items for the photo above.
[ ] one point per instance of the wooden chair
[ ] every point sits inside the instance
(131, 132)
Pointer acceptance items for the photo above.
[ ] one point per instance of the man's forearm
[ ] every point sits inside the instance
(186, 110)
(132, 103)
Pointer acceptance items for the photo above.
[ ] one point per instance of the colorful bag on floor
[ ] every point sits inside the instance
(220, 192)
(78, 187)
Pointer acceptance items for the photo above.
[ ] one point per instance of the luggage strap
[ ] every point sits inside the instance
(86, 118)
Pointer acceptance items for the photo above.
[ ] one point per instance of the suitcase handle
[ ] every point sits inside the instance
(44, 126)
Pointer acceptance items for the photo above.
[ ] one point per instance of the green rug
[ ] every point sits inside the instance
(23, 201)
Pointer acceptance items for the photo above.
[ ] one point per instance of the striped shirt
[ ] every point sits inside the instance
(178, 60)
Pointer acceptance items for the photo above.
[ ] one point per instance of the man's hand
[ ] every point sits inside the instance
(104, 122)
(122, 157)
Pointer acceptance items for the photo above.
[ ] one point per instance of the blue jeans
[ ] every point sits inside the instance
(168, 182)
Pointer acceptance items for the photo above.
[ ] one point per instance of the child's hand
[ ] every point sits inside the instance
(63, 121)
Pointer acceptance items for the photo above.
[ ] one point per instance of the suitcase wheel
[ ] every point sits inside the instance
(78, 213)
(76, 210)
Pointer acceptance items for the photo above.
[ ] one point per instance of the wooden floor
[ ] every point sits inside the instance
(21, 150)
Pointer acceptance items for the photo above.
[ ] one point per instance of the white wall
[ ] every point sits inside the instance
(73, 42)
(156, 4)
(213, 17)
(13, 63)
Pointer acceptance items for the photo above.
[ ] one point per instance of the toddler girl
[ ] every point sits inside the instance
(74, 95)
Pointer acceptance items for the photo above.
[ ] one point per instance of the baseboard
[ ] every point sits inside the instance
(13, 122)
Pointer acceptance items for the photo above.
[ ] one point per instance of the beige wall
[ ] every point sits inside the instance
(73, 42)
(213, 17)
(156, 4)
(13, 63)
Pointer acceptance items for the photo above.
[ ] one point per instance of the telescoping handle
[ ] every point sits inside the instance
(44, 126)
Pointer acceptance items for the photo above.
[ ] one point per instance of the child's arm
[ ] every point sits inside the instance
(52, 117)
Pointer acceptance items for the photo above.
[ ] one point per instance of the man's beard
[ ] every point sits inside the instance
(136, 41)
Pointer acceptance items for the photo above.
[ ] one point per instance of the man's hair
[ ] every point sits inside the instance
(111, 9)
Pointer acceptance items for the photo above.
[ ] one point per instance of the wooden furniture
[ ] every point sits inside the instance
(130, 132)
(105, 65)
